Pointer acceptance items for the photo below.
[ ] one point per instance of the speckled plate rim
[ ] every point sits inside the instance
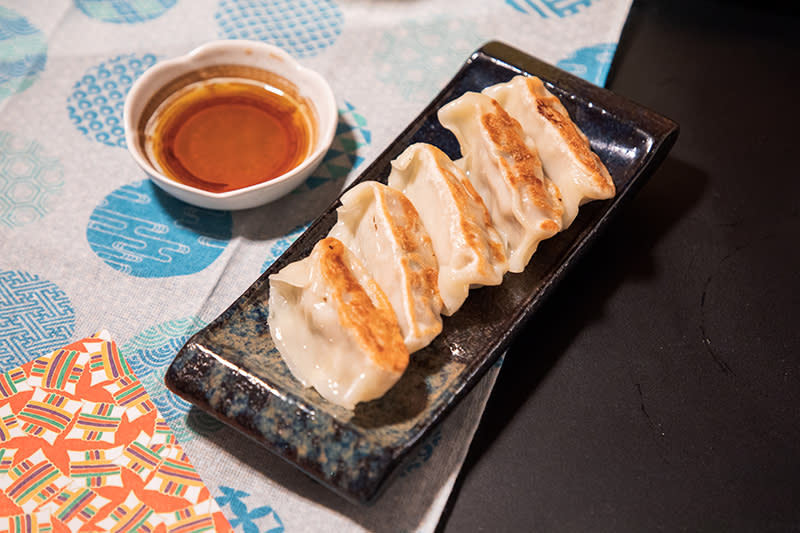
(221, 381)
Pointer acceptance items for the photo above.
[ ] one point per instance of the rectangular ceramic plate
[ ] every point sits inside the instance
(232, 370)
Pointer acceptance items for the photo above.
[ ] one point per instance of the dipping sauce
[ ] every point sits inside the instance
(225, 134)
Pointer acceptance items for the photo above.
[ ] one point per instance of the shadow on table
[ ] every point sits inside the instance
(622, 255)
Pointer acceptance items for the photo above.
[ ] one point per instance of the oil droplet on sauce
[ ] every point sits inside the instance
(227, 134)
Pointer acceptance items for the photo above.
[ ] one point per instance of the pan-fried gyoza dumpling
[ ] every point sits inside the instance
(383, 229)
(468, 249)
(334, 326)
(566, 156)
(503, 165)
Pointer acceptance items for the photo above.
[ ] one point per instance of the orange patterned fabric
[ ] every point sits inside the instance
(83, 448)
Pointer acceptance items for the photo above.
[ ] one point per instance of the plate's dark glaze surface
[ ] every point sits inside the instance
(232, 369)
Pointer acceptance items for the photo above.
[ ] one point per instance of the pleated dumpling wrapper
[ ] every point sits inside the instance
(566, 156)
(468, 249)
(383, 229)
(334, 326)
(504, 166)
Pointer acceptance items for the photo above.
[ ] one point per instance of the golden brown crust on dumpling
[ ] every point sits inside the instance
(371, 319)
(409, 232)
(464, 196)
(551, 108)
(413, 239)
(523, 168)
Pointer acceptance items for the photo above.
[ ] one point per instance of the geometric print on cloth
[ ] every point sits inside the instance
(549, 8)
(142, 231)
(96, 100)
(162, 434)
(190, 520)
(33, 481)
(47, 414)
(343, 155)
(97, 422)
(416, 55)
(591, 63)
(25, 523)
(12, 382)
(95, 468)
(9, 424)
(303, 29)
(249, 518)
(149, 354)
(6, 459)
(177, 477)
(128, 391)
(154, 348)
(106, 363)
(130, 515)
(142, 458)
(60, 371)
(75, 506)
(36, 316)
(124, 11)
(24, 51)
(77, 462)
(30, 182)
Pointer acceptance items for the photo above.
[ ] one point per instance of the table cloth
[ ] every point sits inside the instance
(88, 243)
(86, 449)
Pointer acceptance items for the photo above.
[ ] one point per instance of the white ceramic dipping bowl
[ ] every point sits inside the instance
(237, 58)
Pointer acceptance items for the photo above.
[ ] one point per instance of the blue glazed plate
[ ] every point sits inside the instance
(232, 370)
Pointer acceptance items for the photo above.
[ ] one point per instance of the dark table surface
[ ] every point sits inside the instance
(659, 387)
